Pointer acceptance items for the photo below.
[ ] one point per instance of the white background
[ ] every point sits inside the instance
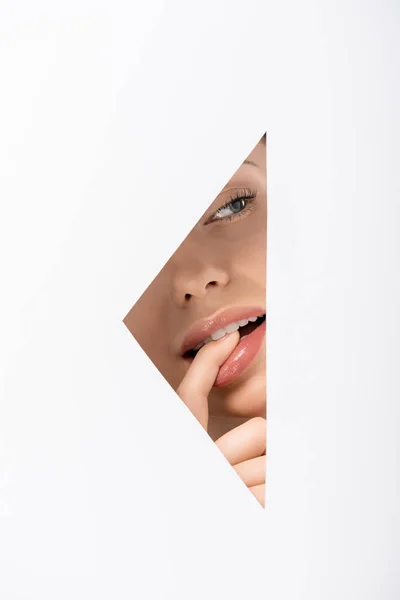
(119, 124)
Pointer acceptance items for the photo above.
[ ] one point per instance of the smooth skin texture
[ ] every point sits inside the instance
(221, 264)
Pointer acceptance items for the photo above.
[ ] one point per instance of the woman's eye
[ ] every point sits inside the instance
(232, 208)
(239, 206)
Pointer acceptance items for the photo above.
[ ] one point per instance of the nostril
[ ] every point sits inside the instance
(201, 290)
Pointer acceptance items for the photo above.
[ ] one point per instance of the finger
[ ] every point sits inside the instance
(252, 472)
(202, 373)
(259, 492)
(245, 441)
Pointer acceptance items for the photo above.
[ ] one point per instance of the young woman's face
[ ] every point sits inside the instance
(216, 277)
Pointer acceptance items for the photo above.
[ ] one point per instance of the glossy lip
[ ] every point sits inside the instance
(242, 356)
(202, 329)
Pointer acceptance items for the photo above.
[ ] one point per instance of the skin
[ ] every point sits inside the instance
(220, 264)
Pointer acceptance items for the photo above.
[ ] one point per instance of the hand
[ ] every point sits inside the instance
(244, 446)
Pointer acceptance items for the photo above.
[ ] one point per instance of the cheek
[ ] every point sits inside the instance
(250, 262)
(146, 322)
(152, 340)
(248, 246)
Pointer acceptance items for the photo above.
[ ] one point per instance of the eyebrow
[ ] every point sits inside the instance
(251, 162)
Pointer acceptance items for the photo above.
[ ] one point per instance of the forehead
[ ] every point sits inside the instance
(252, 168)
(254, 163)
(258, 155)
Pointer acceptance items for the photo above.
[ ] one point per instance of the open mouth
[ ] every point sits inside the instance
(244, 326)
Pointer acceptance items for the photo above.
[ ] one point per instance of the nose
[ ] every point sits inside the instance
(194, 278)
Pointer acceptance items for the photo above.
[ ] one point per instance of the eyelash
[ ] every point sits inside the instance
(245, 194)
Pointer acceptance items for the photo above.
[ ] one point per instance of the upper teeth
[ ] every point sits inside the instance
(227, 329)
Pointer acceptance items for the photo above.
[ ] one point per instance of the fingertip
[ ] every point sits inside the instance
(202, 373)
(219, 350)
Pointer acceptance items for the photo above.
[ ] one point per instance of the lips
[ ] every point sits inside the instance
(246, 350)
(241, 357)
(206, 328)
